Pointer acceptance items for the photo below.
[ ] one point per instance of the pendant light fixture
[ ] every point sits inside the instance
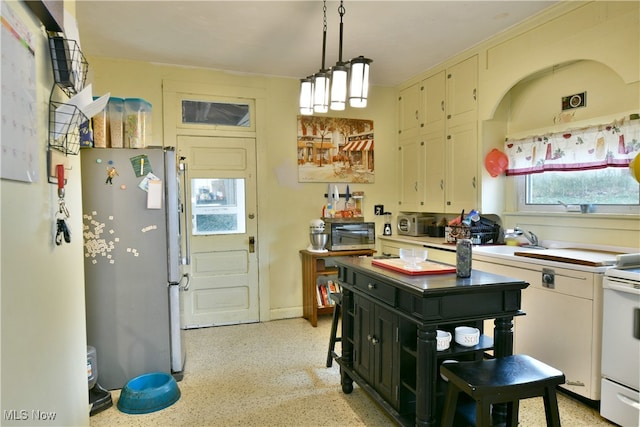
(329, 88)
(339, 73)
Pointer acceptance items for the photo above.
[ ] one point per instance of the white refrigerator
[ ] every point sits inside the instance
(133, 275)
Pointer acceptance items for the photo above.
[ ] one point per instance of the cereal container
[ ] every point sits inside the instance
(101, 131)
(137, 123)
(116, 116)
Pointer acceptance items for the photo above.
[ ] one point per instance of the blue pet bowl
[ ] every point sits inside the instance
(148, 393)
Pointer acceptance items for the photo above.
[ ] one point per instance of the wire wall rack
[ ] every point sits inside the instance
(66, 121)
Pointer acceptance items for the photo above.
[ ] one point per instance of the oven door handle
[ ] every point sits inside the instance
(627, 401)
(626, 289)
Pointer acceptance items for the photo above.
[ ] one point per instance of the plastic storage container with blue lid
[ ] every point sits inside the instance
(137, 124)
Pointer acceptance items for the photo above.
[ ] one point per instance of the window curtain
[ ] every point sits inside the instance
(594, 147)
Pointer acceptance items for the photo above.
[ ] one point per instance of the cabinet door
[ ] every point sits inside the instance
(363, 331)
(434, 171)
(434, 102)
(376, 347)
(385, 347)
(410, 118)
(411, 168)
(461, 186)
(462, 91)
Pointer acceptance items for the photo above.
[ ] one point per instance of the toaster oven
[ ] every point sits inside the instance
(345, 236)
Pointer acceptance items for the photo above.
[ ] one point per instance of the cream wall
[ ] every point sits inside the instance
(285, 206)
(43, 343)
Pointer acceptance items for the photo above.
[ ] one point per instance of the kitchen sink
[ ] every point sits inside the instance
(504, 249)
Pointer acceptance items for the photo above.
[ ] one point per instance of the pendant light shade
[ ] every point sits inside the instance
(306, 96)
(321, 91)
(339, 77)
(359, 84)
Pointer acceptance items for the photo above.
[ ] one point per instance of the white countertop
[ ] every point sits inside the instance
(493, 253)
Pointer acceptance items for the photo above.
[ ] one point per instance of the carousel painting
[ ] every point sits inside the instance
(332, 149)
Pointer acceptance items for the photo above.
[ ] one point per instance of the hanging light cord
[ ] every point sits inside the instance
(341, 12)
(324, 32)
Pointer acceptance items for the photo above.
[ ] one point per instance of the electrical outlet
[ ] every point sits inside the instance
(574, 101)
(378, 209)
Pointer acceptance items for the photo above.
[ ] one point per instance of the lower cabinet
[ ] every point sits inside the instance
(376, 347)
(563, 322)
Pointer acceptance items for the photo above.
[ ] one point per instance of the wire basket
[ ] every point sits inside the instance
(65, 121)
(454, 232)
(69, 64)
(482, 232)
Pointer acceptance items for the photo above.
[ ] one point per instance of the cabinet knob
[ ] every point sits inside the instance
(371, 286)
(372, 339)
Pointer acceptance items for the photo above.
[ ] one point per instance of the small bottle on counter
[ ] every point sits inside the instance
(463, 257)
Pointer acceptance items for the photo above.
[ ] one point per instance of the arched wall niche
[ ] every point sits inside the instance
(534, 103)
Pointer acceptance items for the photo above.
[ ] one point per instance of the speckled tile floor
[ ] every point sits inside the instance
(274, 374)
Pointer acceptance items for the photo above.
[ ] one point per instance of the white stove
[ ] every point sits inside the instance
(620, 397)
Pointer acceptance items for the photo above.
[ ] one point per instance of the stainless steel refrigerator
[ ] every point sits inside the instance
(132, 260)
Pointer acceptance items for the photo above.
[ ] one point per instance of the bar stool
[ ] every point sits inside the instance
(337, 298)
(502, 380)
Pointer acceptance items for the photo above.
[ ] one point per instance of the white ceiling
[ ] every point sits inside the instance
(284, 38)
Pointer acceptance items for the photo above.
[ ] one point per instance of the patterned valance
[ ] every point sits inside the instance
(594, 147)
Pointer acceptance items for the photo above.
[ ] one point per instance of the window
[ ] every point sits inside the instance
(612, 190)
(216, 113)
(217, 206)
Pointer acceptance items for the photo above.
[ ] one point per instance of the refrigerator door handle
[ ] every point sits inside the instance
(186, 259)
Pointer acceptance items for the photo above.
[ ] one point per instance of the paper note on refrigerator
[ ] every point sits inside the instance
(154, 194)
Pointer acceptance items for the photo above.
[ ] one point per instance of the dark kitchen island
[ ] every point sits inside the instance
(389, 323)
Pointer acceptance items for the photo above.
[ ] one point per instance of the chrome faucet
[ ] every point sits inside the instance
(532, 238)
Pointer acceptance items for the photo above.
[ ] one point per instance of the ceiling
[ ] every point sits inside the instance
(284, 38)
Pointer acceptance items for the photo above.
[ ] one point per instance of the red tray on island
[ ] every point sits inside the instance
(426, 267)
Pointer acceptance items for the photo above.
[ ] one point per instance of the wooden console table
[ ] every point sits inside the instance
(313, 266)
(389, 323)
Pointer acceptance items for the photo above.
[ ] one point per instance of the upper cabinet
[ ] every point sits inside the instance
(461, 144)
(438, 142)
(410, 111)
(462, 92)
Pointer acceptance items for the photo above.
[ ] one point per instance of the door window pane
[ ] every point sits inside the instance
(215, 113)
(217, 206)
